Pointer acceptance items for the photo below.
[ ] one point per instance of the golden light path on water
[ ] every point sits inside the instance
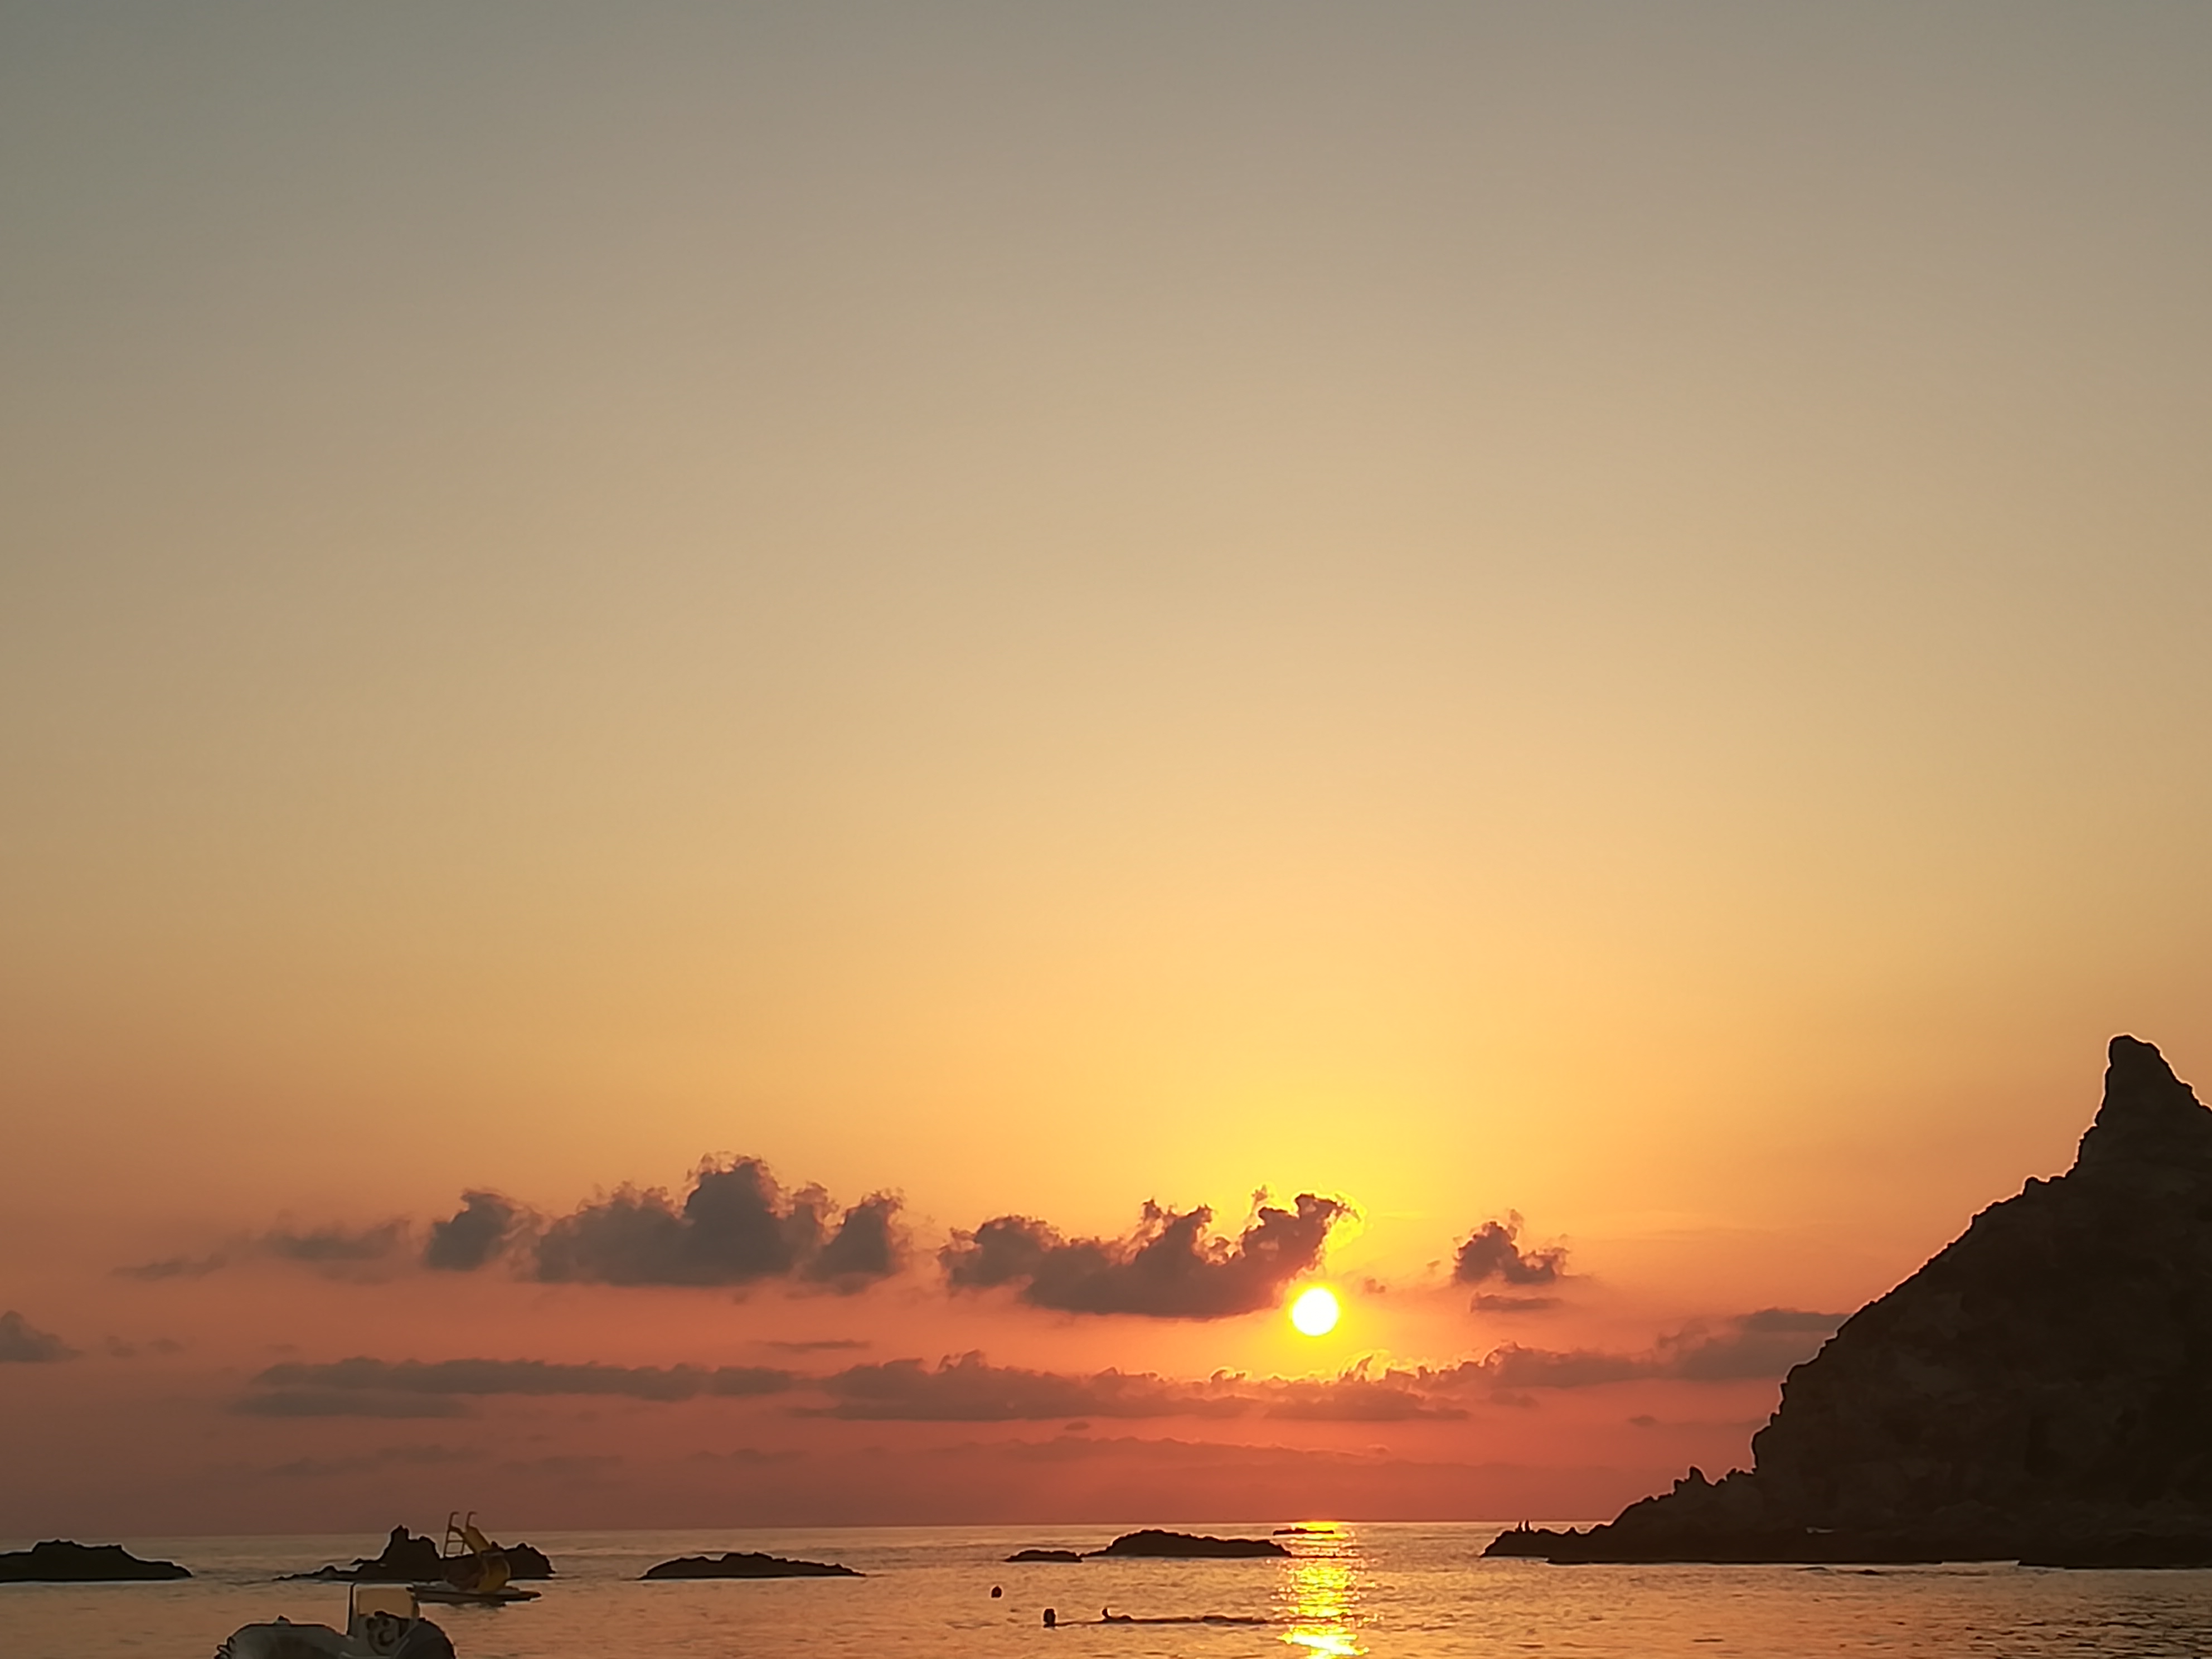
(1320, 1595)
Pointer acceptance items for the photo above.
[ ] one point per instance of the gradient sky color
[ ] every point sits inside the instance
(1592, 610)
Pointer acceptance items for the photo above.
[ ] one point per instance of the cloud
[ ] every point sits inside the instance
(445, 1377)
(1168, 1268)
(1513, 1366)
(1485, 1302)
(372, 1462)
(1756, 1345)
(335, 1250)
(735, 1226)
(1748, 1347)
(475, 1235)
(968, 1389)
(22, 1343)
(747, 1456)
(812, 1345)
(1494, 1251)
(569, 1467)
(175, 1266)
(345, 1402)
(865, 1246)
(1394, 1398)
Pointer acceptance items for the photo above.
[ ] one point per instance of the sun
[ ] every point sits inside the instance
(1315, 1312)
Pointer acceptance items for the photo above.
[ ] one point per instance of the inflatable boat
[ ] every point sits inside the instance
(383, 1621)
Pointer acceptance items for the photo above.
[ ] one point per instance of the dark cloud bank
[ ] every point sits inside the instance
(414, 1388)
(1169, 1268)
(735, 1226)
(968, 1389)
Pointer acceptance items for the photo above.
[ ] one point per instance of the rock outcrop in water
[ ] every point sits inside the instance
(746, 1564)
(409, 1559)
(1188, 1546)
(2041, 1390)
(1152, 1543)
(60, 1561)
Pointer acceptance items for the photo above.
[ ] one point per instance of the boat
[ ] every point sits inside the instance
(383, 1621)
(472, 1571)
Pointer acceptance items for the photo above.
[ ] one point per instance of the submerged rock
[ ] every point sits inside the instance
(2038, 1391)
(62, 1561)
(746, 1563)
(1152, 1542)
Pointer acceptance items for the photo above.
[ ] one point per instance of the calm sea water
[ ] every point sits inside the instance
(1418, 1590)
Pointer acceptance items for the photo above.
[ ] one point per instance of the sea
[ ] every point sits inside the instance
(1418, 1590)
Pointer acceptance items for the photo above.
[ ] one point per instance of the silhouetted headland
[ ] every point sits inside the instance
(2037, 1392)
(60, 1561)
(1152, 1543)
(747, 1563)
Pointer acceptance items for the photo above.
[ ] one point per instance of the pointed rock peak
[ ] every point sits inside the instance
(2148, 1114)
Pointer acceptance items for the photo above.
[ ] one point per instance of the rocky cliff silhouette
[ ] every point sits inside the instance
(2041, 1390)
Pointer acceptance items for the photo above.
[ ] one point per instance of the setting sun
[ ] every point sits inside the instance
(1315, 1312)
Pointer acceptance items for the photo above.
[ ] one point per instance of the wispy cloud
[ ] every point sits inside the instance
(174, 1267)
(968, 1389)
(1747, 1347)
(447, 1377)
(338, 1251)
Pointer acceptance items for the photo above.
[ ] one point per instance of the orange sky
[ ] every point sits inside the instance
(1589, 611)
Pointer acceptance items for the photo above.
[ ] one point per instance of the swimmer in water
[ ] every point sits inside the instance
(1051, 1619)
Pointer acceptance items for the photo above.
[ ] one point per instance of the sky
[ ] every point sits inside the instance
(1549, 658)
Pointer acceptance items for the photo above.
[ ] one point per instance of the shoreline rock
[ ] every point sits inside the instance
(64, 1561)
(2033, 1393)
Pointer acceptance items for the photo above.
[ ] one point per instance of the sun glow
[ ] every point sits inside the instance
(1316, 1312)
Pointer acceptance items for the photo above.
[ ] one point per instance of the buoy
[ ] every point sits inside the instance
(996, 1592)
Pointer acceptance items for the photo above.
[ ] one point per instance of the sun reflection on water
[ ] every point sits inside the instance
(1319, 1592)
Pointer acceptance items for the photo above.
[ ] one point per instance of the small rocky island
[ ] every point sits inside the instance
(2037, 1392)
(1151, 1543)
(746, 1564)
(409, 1559)
(59, 1561)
